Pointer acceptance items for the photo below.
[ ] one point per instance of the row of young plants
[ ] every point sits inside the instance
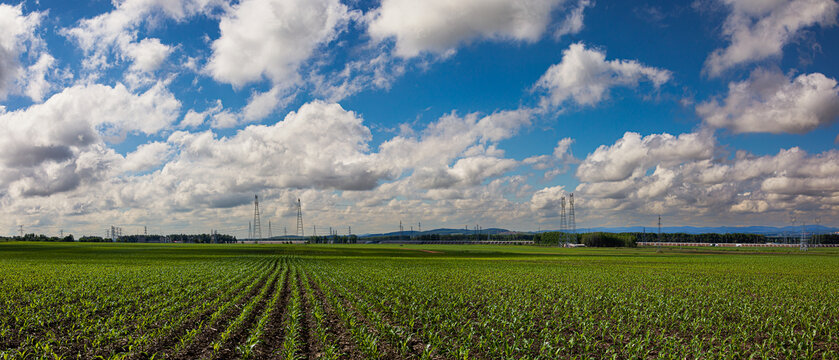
(69, 311)
(481, 309)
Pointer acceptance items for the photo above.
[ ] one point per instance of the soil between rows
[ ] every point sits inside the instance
(165, 343)
(274, 331)
(342, 337)
(229, 350)
(203, 341)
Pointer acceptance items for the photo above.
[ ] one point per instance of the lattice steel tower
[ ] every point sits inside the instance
(572, 222)
(299, 218)
(563, 224)
(257, 231)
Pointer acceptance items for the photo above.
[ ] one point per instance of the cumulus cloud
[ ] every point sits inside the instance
(585, 76)
(271, 38)
(557, 163)
(147, 54)
(453, 136)
(772, 102)
(114, 34)
(146, 157)
(35, 82)
(689, 175)
(439, 26)
(548, 201)
(632, 154)
(17, 36)
(469, 171)
(56, 146)
(320, 145)
(574, 20)
(760, 29)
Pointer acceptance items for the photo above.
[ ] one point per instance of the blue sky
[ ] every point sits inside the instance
(172, 114)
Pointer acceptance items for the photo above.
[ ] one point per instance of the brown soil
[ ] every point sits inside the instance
(229, 350)
(342, 337)
(427, 251)
(272, 337)
(202, 343)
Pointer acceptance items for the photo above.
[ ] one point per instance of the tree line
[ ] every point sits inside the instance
(179, 238)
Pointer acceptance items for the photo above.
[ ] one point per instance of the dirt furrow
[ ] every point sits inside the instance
(309, 347)
(342, 336)
(274, 330)
(229, 350)
(203, 341)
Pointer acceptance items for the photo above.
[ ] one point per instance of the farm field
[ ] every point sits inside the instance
(179, 301)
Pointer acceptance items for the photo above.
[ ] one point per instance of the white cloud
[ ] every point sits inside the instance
(146, 157)
(574, 20)
(321, 145)
(439, 26)
(115, 33)
(260, 105)
(148, 54)
(557, 163)
(760, 29)
(772, 102)
(451, 137)
(690, 177)
(17, 36)
(59, 145)
(271, 38)
(35, 82)
(193, 119)
(548, 201)
(632, 154)
(585, 76)
(469, 171)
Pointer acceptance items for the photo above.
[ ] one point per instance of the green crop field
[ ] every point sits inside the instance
(139, 301)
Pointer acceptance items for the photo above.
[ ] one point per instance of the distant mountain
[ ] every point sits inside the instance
(763, 230)
(491, 231)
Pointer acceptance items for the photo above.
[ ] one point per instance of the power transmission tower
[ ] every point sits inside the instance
(61, 233)
(563, 222)
(659, 228)
(20, 228)
(299, 218)
(349, 230)
(814, 238)
(314, 230)
(257, 230)
(269, 229)
(285, 231)
(572, 222)
(401, 229)
(250, 230)
(803, 244)
(419, 226)
(145, 230)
